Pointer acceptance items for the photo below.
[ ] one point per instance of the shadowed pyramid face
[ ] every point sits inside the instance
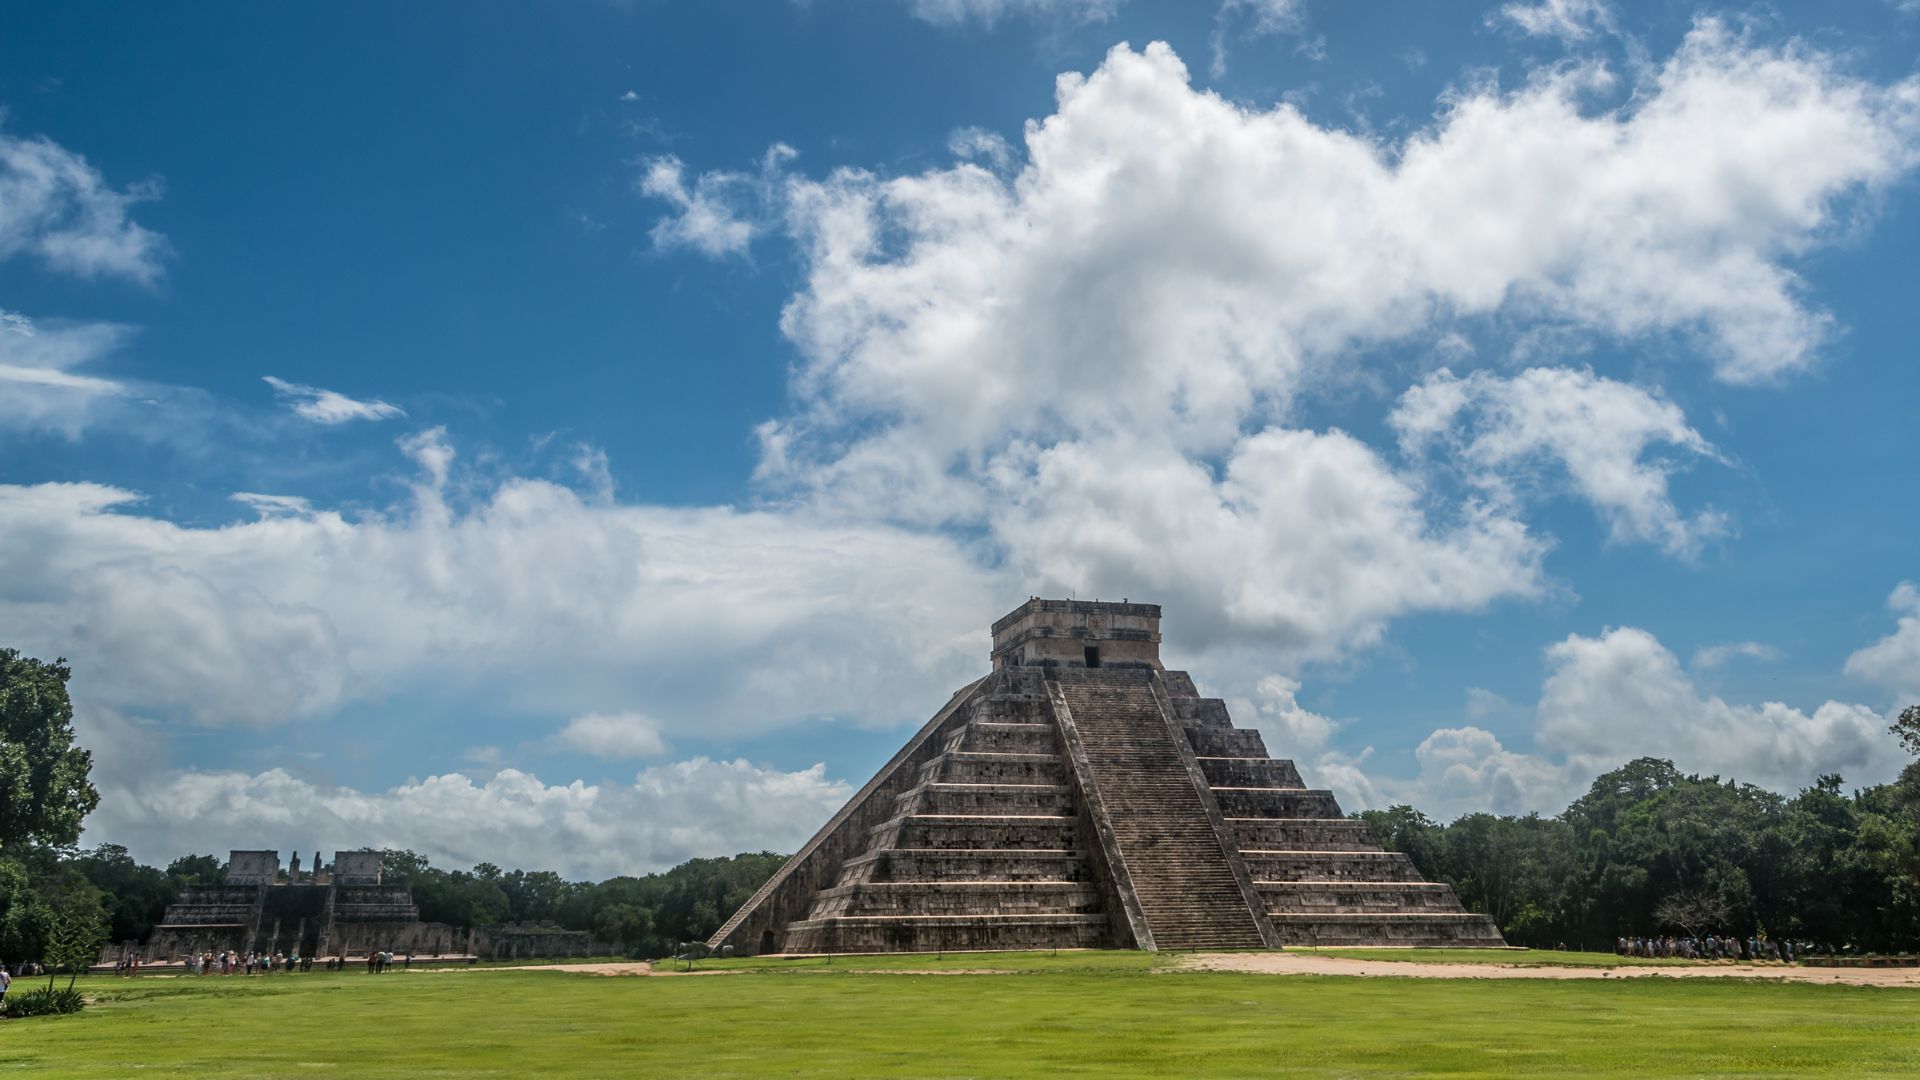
(1081, 796)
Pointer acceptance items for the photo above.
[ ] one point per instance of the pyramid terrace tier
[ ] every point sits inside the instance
(1303, 834)
(1435, 930)
(1357, 897)
(1250, 802)
(1250, 772)
(967, 864)
(1025, 799)
(992, 767)
(1329, 865)
(1007, 737)
(974, 897)
(1225, 742)
(949, 933)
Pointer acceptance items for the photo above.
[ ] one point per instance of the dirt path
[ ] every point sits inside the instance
(638, 967)
(1285, 963)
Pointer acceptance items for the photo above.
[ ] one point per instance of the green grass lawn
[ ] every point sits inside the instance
(1077, 1014)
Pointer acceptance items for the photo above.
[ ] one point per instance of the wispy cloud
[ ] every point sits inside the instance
(1572, 21)
(327, 406)
(39, 388)
(57, 208)
(1713, 656)
(717, 213)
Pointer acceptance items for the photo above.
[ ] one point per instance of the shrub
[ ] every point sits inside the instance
(42, 1002)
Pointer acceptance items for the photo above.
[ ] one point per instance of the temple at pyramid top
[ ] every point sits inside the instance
(1080, 795)
(1077, 633)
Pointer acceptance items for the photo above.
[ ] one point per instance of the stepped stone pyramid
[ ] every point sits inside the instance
(1082, 796)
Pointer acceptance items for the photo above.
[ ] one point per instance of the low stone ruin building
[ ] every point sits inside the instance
(339, 910)
(1082, 796)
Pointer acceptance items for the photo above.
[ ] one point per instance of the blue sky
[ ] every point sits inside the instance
(593, 437)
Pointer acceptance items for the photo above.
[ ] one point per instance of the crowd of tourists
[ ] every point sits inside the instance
(232, 962)
(379, 963)
(1711, 947)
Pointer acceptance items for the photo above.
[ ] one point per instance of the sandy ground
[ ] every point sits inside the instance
(638, 967)
(1286, 963)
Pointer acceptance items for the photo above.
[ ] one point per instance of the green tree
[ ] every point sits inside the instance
(134, 896)
(44, 791)
(188, 870)
(628, 924)
(78, 931)
(1907, 729)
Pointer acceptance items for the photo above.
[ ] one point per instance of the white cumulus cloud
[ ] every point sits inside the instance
(522, 594)
(665, 815)
(1894, 661)
(1598, 430)
(1613, 698)
(614, 736)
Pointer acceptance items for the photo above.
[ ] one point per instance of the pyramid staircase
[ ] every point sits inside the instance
(1165, 831)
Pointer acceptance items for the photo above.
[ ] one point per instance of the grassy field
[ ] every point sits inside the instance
(1077, 1014)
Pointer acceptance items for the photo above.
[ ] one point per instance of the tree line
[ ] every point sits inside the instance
(1650, 851)
(647, 915)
